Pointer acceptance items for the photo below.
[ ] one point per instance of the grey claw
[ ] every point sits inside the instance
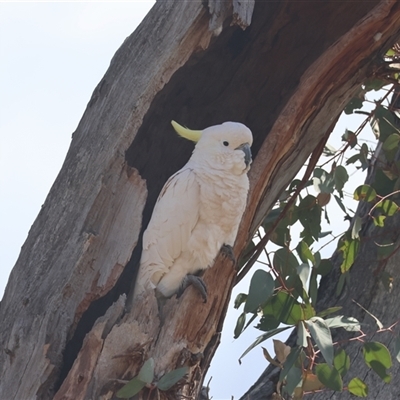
(227, 252)
(197, 282)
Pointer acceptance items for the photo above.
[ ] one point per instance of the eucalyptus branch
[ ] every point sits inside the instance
(316, 154)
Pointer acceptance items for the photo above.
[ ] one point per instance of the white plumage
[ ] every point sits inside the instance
(198, 210)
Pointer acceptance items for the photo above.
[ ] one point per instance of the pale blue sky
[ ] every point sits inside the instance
(52, 57)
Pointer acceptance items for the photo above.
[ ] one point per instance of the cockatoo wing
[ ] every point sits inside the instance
(174, 217)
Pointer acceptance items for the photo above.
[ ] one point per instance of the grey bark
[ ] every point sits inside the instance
(66, 331)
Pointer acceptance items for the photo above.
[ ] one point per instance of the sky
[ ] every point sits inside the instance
(52, 57)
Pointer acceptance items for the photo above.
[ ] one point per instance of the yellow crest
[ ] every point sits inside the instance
(186, 133)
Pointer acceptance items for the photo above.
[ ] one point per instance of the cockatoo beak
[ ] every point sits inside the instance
(245, 147)
(186, 133)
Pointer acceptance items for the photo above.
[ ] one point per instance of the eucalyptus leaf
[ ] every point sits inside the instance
(341, 362)
(303, 271)
(293, 378)
(239, 325)
(349, 248)
(321, 333)
(357, 387)
(365, 193)
(330, 377)
(240, 299)
(350, 324)
(377, 357)
(261, 288)
(302, 335)
(285, 262)
(262, 338)
(357, 224)
(290, 361)
(171, 378)
(132, 388)
(146, 373)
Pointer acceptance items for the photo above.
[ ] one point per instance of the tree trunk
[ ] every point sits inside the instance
(67, 332)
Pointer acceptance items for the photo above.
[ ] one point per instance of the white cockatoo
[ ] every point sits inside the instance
(198, 210)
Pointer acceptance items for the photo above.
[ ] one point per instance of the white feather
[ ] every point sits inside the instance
(198, 210)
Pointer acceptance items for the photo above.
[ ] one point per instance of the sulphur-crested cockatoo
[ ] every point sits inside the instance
(198, 210)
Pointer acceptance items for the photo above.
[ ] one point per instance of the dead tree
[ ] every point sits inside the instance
(285, 69)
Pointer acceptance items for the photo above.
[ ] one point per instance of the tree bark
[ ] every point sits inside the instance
(67, 332)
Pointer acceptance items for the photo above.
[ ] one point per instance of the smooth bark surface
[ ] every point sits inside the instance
(66, 330)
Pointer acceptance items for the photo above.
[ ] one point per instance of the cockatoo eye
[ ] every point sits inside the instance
(225, 143)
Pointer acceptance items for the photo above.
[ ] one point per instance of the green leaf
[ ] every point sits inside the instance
(303, 270)
(322, 335)
(350, 324)
(374, 83)
(353, 104)
(285, 262)
(171, 378)
(353, 159)
(389, 207)
(377, 357)
(383, 123)
(293, 378)
(240, 299)
(304, 252)
(146, 373)
(349, 248)
(262, 338)
(341, 177)
(313, 288)
(341, 362)
(324, 267)
(290, 360)
(397, 348)
(323, 181)
(340, 203)
(295, 286)
(310, 216)
(390, 53)
(302, 335)
(261, 288)
(392, 142)
(323, 234)
(268, 322)
(329, 150)
(350, 137)
(239, 325)
(379, 220)
(365, 193)
(328, 311)
(357, 225)
(286, 309)
(329, 376)
(133, 387)
(357, 387)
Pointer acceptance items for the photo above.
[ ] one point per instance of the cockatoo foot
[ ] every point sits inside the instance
(197, 282)
(227, 252)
